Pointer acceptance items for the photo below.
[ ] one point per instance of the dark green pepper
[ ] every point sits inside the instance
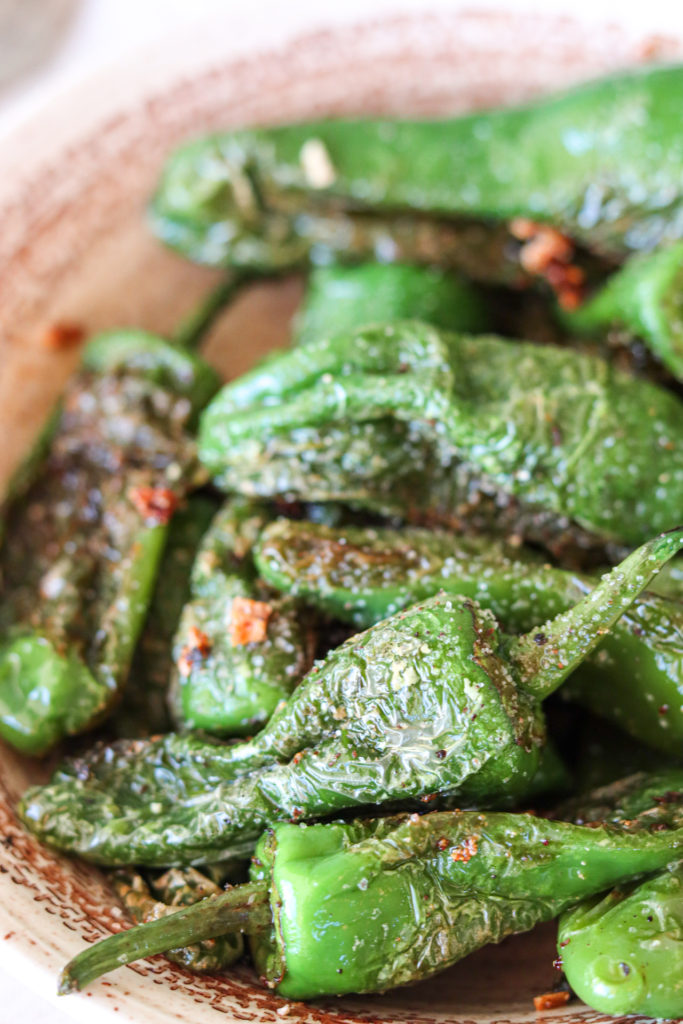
(84, 533)
(362, 575)
(601, 162)
(551, 430)
(339, 299)
(143, 710)
(365, 906)
(644, 298)
(240, 648)
(172, 890)
(434, 702)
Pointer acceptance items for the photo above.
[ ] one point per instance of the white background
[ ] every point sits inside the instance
(59, 43)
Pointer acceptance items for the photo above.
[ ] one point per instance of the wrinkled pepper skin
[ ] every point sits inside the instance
(173, 890)
(365, 906)
(622, 953)
(645, 299)
(433, 702)
(552, 429)
(339, 299)
(362, 575)
(220, 685)
(601, 162)
(83, 534)
(143, 710)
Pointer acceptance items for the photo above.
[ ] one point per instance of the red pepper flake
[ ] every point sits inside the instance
(442, 844)
(550, 1000)
(194, 652)
(155, 504)
(547, 253)
(62, 335)
(249, 621)
(663, 710)
(298, 757)
(466, 850)
(428, 797)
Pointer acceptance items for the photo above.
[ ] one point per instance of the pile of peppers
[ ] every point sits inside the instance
(338, 623)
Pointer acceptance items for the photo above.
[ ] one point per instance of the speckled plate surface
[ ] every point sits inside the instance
(73, 247)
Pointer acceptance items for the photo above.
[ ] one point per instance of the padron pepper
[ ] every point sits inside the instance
(340, 298)
(364, 906)
(240, 648)
(85, 528)
(85, 521)
(621, 951)
(434, 702)
(143, 710)
(644, 298)
(549, 430)
(601, 162)
(362, 575)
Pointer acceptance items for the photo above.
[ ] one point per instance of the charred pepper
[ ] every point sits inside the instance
(240, 648)
(550, 430)
(361, 575)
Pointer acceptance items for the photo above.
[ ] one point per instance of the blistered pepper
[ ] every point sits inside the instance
(600, 162)
(240, 648)
(554, 432)
(365, 906)
(432, 703)
(361, 575)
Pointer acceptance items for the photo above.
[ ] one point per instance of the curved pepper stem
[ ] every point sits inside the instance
(548, 654)
(191, 331)
(245, 908)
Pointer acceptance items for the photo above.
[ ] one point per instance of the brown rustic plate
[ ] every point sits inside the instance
(74, 249)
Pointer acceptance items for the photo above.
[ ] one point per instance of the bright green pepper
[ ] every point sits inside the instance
(433, 702)
(544, 428)
(225, 683)
(601, 162)
(362, 575)
(645, 298)
(622, 953)
(173, 890)
(143, 710)
(339, 299)
(365, 906)
(84, 534)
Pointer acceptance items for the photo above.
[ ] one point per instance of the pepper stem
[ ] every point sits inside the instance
(190, 332)
(546, 655)
(244, 908)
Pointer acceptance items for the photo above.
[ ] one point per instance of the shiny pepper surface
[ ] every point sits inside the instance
(434, 702)
(363, 574)
(601, 162)
(552, 430)
(365, 906)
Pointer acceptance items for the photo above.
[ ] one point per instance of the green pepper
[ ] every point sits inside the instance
(339, 299)
(240, 648)
(365, 906)
(434, 702)
(143, 710)
(83, 538)
(602, 162)
(178, 889)
(621, 953)
(85, 522)
(644, 298)
(547, 429)
(362, 575)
